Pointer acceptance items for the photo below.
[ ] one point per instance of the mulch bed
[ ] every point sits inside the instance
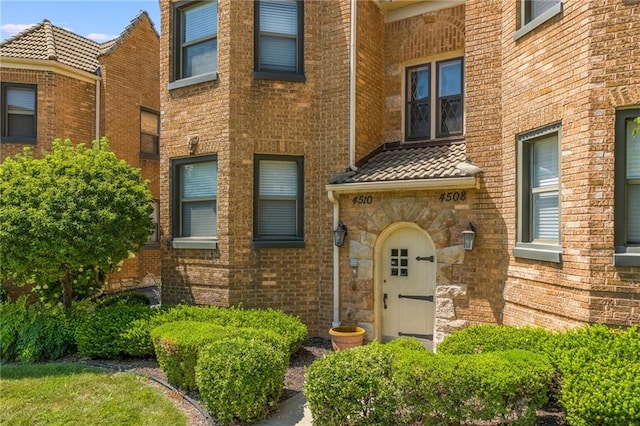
(312, 349)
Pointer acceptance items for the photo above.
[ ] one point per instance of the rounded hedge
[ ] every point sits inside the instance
(240, 380)
(353, 387)
(287, 326)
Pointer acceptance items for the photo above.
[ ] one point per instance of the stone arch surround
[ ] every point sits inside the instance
(442, 223)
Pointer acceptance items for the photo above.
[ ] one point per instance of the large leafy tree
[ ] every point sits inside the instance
(69, 217)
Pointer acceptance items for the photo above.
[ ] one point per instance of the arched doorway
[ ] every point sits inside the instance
(405, 262)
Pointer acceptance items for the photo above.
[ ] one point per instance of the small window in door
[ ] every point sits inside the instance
(399, 262)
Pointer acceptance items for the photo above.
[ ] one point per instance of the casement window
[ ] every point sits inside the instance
(434, 100)
(194, 195)
(627, 189)
(149, 133)
(19, 118)
(279, 41)
(539, 194)
(195, 53)
(534, 13)
(154, 237)
(278, 201)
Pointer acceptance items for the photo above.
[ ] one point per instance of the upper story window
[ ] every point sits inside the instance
(627, 189)
(194, 217)
(195, 53)
(434, 100)
(534, 13)
(539, 194)
(279, 46)
(278, 201)
(19, 106)
(149, 134)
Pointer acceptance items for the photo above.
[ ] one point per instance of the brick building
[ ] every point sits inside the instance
(57, 84)
(409, 122)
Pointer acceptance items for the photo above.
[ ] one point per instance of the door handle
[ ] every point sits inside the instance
(384, 300)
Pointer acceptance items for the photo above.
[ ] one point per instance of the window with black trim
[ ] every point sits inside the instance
(278, 201)
(279, 41)
(196, 39)
(539, 194)
(149, 133)
(194, 196)
(446, 106)
(19, 117)
(627, 188)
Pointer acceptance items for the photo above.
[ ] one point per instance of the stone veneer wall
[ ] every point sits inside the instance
(443, 221)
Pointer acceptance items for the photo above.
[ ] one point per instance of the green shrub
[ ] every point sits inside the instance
(240, 380)
(491, 338)
(177, 345)
(102, 334)
(287, 326)
(128, 298)
(600, 370)
(12, 316)
(407, 344)
(353, 387)
(462, 389)
(36, 332)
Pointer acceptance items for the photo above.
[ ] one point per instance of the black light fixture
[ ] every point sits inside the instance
(468, 235)
(339, 233)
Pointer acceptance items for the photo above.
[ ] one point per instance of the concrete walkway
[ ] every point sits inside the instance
(292, 412)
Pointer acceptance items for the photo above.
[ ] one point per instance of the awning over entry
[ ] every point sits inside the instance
(410, 166)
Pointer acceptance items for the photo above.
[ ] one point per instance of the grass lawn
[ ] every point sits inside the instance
(74, 394)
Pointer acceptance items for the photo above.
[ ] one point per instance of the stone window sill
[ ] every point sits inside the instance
(543, 252)
(194, 243)
(556, 9)
(626, 256)
(190, 81)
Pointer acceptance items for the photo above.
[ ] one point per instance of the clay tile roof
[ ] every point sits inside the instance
(48, 42)
(412, 162)
(108, 46)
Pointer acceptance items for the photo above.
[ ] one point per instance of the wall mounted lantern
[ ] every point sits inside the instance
(339, 233)
(468, 235)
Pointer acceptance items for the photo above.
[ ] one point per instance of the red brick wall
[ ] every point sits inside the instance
(130, 81)
(73, 118)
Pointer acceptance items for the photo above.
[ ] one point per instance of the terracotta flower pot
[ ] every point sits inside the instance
(346, 336)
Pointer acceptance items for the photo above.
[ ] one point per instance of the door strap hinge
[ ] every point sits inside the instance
(406, 296)
(427, 258)
(416, 335)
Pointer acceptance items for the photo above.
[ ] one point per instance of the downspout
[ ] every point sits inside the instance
(352, 87)
(98, 81)
(336, 262)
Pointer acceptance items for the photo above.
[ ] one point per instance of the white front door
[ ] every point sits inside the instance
(408, 285)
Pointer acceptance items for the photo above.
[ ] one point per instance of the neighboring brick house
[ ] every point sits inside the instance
(407, 121)
(57, 84)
